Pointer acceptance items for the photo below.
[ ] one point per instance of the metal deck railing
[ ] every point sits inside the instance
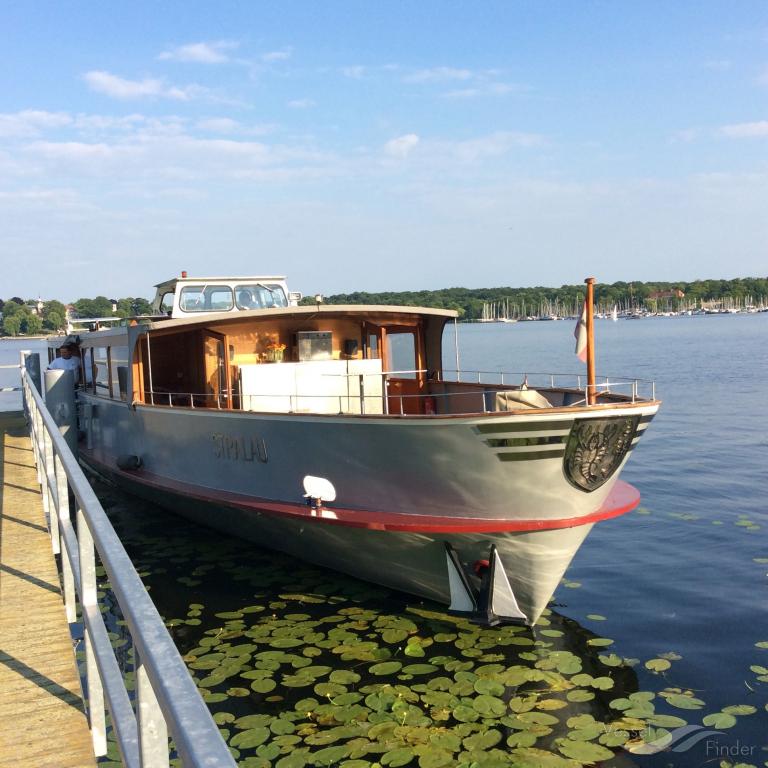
(388, 402)
(167, 700)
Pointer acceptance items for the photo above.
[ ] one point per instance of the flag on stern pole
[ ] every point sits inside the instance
(580, 333)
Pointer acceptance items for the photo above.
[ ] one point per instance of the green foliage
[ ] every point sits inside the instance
(101, 306)
(469, 301)
(12, 324)
(33, 324)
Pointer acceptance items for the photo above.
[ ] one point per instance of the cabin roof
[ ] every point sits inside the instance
(213, 280)
(352, 310)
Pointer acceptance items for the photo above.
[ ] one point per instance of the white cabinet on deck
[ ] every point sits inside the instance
(322, 386)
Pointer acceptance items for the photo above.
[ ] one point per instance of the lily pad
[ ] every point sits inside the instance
(584, 751)
(385, 668)
(253, 737)
(719, 720)
(740, 709)
(657, 665)
(397, 757)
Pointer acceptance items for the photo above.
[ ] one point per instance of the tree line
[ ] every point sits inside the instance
(468, 302)
(30, 317)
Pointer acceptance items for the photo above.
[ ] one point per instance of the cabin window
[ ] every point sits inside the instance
(206, 298)
(118, 362)
(101, 379)
(86, 375)
(166, 303)
(259, 296)
(402, 353)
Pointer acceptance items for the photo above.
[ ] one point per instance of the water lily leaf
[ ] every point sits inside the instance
(551, 632)
(740, 709)
(281, 726)
(344, 676)
(465, 714)
(719, 720)
(229, 615)
(551, 704)
(329, 689)
(329, 755)
(397, 757)
(758, 670)
(394, 635)
(657, 665)
(579, 695)
(530, 757)
(584, 751)
(684, 702)
(485, 685)
(595, 617)
(385, 668)
(602, 683)
(238, 692)
(286, 642)
(489, 706)
(414, 650)
(263, 686)
(614, 738)
(222, 718)
(292, 761)
(268, 751)
(419, 669)
(666, 721)
(435, 758)
(611, 660)
(482, 741)
(762, 644)
(253, 737)
(522, 739)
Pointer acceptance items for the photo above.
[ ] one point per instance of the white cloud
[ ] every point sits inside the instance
(488, 89)
(763, 77)
(438, 75)
(746, 130)
(492, 145)
(402, 145)
(301, 103)
(219, 125)
(200, 53)
(280, 55)
(121, 88)
(356, 72)
(31, 122)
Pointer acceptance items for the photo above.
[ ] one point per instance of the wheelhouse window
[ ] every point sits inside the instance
(260, 296)
(206, 298)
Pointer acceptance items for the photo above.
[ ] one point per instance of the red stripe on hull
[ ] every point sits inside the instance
(623, 498)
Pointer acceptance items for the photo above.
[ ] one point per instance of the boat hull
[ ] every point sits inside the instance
(405, 488)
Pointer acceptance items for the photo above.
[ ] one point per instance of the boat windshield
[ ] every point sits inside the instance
(206, 298)
(260, 296)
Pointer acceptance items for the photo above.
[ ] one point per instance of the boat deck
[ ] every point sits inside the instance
(42, 722)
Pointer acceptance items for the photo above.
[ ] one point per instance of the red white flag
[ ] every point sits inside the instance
(580, 333)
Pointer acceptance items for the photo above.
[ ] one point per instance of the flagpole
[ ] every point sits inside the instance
(590, 300)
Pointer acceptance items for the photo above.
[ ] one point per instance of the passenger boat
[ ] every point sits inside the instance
(337, 434)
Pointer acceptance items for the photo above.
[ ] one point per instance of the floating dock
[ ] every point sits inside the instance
(42, 720)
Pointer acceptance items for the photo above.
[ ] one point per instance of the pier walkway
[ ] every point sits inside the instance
(42, 722)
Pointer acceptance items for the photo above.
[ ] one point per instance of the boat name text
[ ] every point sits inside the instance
(239, 448)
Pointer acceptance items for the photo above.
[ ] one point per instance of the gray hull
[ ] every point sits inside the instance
(197, 461)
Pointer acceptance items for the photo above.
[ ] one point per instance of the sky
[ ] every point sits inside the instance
(380, 145)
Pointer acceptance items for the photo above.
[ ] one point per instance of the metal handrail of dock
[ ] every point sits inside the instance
(167, 702)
